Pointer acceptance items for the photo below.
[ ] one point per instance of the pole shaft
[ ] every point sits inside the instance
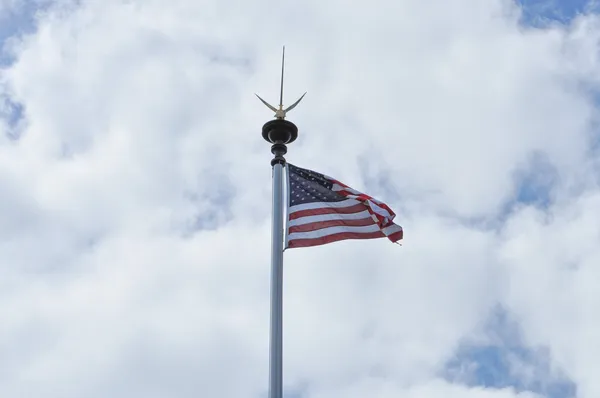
(276, 335)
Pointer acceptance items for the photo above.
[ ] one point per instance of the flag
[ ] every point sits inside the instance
(323, 210)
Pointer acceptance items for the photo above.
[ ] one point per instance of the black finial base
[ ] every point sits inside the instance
(279, 132)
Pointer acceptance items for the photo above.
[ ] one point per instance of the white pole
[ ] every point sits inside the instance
(276, 336)
(278, 132)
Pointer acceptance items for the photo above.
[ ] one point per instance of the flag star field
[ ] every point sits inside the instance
(307, 187)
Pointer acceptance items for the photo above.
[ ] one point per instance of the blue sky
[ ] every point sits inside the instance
(539, 12)
(488, 365)
(499, 363)
(207, 191)
(17, 20)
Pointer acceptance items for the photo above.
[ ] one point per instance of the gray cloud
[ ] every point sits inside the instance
(134, 231)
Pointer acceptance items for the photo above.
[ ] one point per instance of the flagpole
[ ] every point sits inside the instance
(279, 132)
(276, 343)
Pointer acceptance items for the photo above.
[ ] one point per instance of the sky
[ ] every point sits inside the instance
(135, 195)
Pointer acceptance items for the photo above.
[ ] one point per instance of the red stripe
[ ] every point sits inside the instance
(355, 195)
(357, 208)
(386, 207)
(339, 183)
(343, 192)
(314, 226)
(366, 198)
(363, 196)
(396, 236)
(334, 238)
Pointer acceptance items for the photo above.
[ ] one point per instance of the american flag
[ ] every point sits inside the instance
(323, 210)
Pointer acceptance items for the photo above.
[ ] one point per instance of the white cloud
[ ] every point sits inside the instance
(7, 6)
(140, 123)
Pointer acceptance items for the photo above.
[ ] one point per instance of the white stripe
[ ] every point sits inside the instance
(338, 187)
(392, 229)
(331, 231)
(330, 217)
(319, 205)
(380, 210)
(373, 205)
(354, 193)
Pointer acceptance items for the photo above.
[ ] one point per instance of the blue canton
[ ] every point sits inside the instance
(307, 186)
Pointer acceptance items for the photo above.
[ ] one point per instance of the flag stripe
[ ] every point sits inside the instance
(393, 233)
(334, 230)
(334, 238)
(295, 214)
(318, 205)
(396, 236)
(375, 207)
(326, 217)
(348, 192)
(314, 226)
(391, 230)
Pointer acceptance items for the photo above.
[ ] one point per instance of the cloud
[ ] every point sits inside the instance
(8, 5)
(497, 357)
(134, 231)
